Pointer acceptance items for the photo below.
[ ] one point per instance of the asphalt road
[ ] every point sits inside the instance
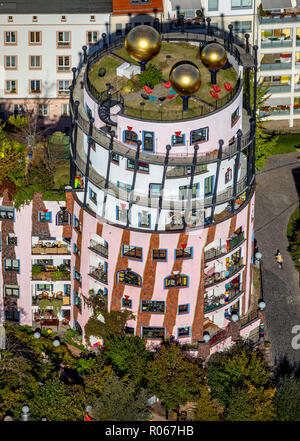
(276, 199)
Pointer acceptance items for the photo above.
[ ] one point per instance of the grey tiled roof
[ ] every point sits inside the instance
(56, 7)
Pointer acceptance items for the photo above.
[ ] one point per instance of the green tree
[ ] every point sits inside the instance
(251, 404)
(237, 368)
(287, 399)
(206, 409)
(120, 401)
(150, 77)
(58, 402)
(128, 355)
(173, 376)
(12, 159)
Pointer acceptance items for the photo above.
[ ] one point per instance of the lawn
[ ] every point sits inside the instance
(169, 109)
(286, 144)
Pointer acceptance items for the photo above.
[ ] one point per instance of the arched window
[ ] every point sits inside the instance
(129, 278)
(228, 175)
(176, 280)
(63, 217)
(130, 137)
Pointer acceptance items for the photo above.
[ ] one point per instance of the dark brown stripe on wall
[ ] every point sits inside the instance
(67, 229)
(99, 229)
(197, 327)
(122, 264)
(172, 295)
(232, 226)
(211, 234)
(143, 318)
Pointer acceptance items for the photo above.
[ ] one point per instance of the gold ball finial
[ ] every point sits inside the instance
(185, 78)
(143, 43)
(213, 56)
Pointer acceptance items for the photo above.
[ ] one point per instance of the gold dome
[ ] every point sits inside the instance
(185, 78)
(213, 56)
(143, 43)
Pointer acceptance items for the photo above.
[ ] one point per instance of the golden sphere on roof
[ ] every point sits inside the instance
(143, 43)
(185, 78)
(213, 56)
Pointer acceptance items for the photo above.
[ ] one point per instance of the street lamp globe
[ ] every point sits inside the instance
(258, 255)
(261, 304)
(206, 336)
(234, 317)
(37, 334)
(56, 342)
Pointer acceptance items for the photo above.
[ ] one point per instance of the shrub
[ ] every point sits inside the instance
(102, 72)
(151, 76)
(36, 269)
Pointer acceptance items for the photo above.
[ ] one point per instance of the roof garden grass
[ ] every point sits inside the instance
(169, 54)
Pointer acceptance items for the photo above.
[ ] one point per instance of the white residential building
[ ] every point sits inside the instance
(40, 43)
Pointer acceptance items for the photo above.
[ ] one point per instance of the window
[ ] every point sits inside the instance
(208, 186)
(77, 301)
(35, 86)
(115, 158)
(176, 280)
(141, 166)
(184, 332)
(213, 5)
(121, 214)
(63, 87)
(126, 303)
(64, 39)
(153, 332)
(18, 109)
(235, 116)
(92, 37)
(93, 196)
(155, 190)
(184, 253)
(241, 26)
(63, 217)
(10, 62)
(228, 175)
(12, 290)
(63, 63)
(77, 276)
(63, 18)
(159, 254)
(45, 216)
(76, 249)
(65, 109)
(130, 137)
(148, 141)
(92, 18)
(43, 109)
(129, 278)
(12, 315)
(6, 213)
(12, 265)
(238, 4)
(118, 29)
(153, 306)
(132, 252)
(185, 191)
(44, 287)
(35, 37)
(10, 18)
(76, 223)
(178, 139)
(34, 18)
(184, 309)
(11, 86)
(144, 219)
(10, 37)
(12, 239)
(200, 135)
(35, 61)
(129, 330)
(123, 186)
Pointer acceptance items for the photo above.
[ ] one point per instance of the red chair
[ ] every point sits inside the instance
(216, 88)
(167, 85)
(227, 86)
(213, 94)
(147, 89)
(169, 97)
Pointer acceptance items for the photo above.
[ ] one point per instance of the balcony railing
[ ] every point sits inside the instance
(276, 43)
(279, 18)
(276, 66)
(49, 248)
(215, 253)
(98, 274)
(216, 302)
(219, 277)
(99, 248)
(279, 89)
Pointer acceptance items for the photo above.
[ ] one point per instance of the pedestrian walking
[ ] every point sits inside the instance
(279, 259)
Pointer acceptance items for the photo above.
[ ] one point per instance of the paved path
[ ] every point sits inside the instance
(276, 199)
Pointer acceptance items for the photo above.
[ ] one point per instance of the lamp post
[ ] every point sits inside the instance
(25, 413)
(258, 257)
(37, 334)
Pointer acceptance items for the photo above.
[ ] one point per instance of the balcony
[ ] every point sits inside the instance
(276, 42)
(50, 272)
(98, 248)
(218, 277)
(278, 89)
(215, 302)
(51, 297)
(56, 247)
(215, 253)
(278, 110)
(276, 66)
(98, 274)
